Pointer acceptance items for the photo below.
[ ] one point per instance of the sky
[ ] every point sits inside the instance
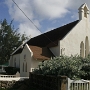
(45, 14)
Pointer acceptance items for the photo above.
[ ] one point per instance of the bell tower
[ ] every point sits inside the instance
(83, 12)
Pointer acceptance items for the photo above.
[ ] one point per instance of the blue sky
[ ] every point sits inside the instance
(4, 11)
(46, 14)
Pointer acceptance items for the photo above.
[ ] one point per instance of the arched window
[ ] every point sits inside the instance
(62, 51)
(82, 49)
(85, 11)
(86, 46)
(26, 67)
(25, 57)
(23, 67)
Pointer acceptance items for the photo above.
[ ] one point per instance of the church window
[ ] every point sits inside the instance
(26, 67)
(86, 46)
(24, 56)
(62, 51)
(82, 49)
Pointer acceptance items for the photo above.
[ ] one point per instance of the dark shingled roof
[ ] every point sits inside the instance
(18, 51)
(51, 38)
(41, 53)
(44, 40)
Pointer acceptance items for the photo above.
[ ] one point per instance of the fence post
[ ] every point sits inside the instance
(62, 83)
(59, 82)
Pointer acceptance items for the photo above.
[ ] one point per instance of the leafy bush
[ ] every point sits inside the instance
(11, 70)
(73, 67)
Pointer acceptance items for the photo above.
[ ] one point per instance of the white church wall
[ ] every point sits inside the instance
(71, 42)
(25, 61)
(56, 50)
(15, 60)
(70, 45)
(34, 63)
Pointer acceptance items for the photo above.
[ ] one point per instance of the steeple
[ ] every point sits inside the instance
(83, 12)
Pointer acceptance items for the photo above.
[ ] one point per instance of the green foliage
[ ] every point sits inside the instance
(11, 70)
(10, 39)
(73, 67)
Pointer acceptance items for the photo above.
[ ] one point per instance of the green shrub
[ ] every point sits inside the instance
(73, 67)
(11, 70)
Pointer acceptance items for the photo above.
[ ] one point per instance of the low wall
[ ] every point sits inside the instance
(48, 82)
(7, 76)
(10, 82)
(13, 79)
(7, 84)
(7, 81)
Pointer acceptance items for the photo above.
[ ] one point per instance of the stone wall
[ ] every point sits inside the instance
(20, 85)
(7, 84)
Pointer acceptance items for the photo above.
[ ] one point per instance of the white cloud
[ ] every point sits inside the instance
(25, 25)
(75, 4)
(50, 9)
(42, 8)
(39, 10)
(36, 10)
(15, 12)
(28, 29)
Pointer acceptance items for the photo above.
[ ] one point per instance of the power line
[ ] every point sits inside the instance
(31, 21)
(25, 15)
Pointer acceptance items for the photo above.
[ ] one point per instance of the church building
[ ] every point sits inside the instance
(70, 39)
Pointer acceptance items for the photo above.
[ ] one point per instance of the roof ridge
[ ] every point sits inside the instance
(56, 28)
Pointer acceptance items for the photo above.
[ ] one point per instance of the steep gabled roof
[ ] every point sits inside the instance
(18, 51)
(41, 53)
(51, 38)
